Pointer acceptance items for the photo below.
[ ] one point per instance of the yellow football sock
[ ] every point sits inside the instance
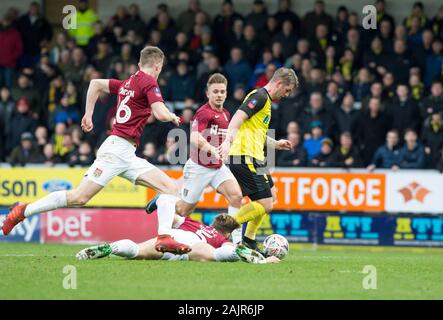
(253, 225)
(249, 212)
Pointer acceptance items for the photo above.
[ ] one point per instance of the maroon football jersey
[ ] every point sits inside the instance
(204, 232)
(213, 125)
(135, 96)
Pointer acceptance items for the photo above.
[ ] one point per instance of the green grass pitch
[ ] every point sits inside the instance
(34, 271)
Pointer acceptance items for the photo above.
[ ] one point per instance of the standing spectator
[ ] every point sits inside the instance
(222, 27)
(21, 121)
(324, 157)
(404, 111)
(24, 88)
(361, 86)
(317, 112)
(285, 13)
(213, 65)
(371, 129)
(432, 137)
(388, 155)
(61, 44)
(437, 23)
(434, 62)
(387, 36)
(26, 152)
(399, 62)
(36, 33)
(186, 19)
(346, 155)
(412, 154)
(288, 37)
(238, 70)
(433, 103)
(181, 84)
(7, 106)
(133, 21)
(258, 17)
(346, 116)
(250, 44)
(75, 70)
(313, 18)
(86, 19)
(102, 59)
(333, 97)
(376, 91)
(296, 157)
(380, 5)
(12, 49)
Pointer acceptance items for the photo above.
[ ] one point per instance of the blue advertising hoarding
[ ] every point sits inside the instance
(28, 231)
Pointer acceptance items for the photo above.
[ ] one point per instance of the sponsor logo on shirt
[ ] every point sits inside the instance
(157, 92)
(252, 104)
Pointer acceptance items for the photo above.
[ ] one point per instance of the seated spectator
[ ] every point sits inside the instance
(26, 152)
(233, 103)
(49, 158)
(296, 157)
(432, 137)
(324, 157)
(82, 156)
(312, 143)
(265, 77)
(150, 153)
(412, 154)
(346, 155)
(65, 113)
(388, 155)
(316, 111)
(41, 135)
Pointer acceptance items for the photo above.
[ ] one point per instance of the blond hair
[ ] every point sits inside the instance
(151, 55)
(216, 78)
(286, 75)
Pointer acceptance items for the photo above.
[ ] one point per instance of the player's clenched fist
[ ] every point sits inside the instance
(87, 123)
(283, 145)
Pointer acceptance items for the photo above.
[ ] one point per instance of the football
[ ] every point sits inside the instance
(276, 245)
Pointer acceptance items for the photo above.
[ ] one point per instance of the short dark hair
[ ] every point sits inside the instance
(225, 223)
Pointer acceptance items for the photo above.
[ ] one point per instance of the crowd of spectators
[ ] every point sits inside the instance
(367, 98)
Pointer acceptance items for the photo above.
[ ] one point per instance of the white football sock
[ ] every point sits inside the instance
(166, 212)
(175, 257)
(226, 253)
(52, 201)
(236, 234)
(125, 248)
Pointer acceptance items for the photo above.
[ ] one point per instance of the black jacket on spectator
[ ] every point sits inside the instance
(433, 138)
(338, 158)
(20, 123)
(21, 157)
(404, 115)
(431, 105)
(325, 117)
(371, 133)
(346, 121)
(34, 33)
(286, 158)
(321, 160)
(412, 159)
(399, 65)
(290, 109)
(386, 158)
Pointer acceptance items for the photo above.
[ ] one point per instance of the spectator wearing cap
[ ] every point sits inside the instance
(86, 18)
(237, 69)
(36, 33)
(346, 155)
(387, 156)
(432, 137)
(412, 154)
(26, 152)
(12, 49)
(404, 112)
(297, 156)
(323, 158)
(371, 129)
(258, 17)
(312, 143)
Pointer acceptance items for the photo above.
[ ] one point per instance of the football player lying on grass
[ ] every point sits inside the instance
(208, 243)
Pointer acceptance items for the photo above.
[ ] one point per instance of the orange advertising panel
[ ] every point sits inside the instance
(314, 191)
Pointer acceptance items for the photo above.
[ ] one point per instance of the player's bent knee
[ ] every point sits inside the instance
(74, 198)
(235, 200)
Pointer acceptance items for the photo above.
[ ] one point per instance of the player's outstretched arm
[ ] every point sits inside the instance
(237, 120)
(162, 113)
(96, 87)
(281, 144)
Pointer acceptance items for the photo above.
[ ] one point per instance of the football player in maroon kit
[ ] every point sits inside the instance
(205, 167)
(138, 97)
(208, 243)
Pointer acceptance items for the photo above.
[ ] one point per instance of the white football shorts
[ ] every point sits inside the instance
(186, 237)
